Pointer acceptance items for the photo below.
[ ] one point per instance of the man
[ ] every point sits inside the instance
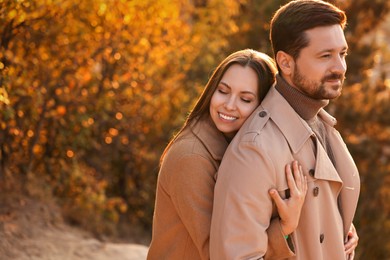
(310, 48)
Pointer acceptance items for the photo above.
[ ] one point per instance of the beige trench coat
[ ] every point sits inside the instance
(254, 163)
(184, 200)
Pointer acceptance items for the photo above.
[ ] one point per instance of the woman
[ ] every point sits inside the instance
(189, 164)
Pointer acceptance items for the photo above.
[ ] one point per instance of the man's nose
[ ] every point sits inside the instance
(340, 65)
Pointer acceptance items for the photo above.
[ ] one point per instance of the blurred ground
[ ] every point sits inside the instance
(34, 229)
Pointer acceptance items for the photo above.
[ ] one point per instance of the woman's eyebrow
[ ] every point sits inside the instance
(243, 92)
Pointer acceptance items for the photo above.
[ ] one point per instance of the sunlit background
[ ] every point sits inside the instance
(91, 92)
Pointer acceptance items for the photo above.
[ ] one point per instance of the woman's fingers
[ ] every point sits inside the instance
(303, 180)
(277, 199)
(289, 209)
(298, 185)
(291, 182)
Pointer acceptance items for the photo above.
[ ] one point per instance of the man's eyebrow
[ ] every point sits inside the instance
(345, 48)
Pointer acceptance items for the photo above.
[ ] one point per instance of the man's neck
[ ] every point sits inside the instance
(306, 107)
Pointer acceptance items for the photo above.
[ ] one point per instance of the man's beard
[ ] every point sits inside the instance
(314, 89)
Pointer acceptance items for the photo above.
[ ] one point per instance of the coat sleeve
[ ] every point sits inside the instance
(191, 187)
(242, 207)
(278, 247)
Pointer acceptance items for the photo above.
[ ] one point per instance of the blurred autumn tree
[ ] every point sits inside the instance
(364, 120)
(92, 91)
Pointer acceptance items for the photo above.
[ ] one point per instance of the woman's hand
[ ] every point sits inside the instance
(290, 209)
(351, 243)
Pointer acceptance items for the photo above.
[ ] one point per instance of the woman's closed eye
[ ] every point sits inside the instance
(247, 100)
(222, 91)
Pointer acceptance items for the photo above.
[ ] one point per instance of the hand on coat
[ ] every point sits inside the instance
(351, 243)
(290, 209)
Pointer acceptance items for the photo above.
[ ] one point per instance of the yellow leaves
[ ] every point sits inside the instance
(94, 22)
(17, 14)
(117, 56)
(119, 116)
(37, 149)
(113, 203)
(12, 14)
(14, 131)
(102, 9)
(4, 96)
(144, 43)
(133, 84)
(83, 75)
(387, 84)
(127, 19)
(61, 110)
(113, 131)
(354, 139)
(99, 29)
(124, 140)
(112, 72)
(88, 122)
(108, 139)
(30, 133)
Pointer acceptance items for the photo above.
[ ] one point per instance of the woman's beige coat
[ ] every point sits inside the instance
(184, 200)
(254, 163)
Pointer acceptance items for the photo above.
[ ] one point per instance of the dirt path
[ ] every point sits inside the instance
(68, 244)
(33, 230)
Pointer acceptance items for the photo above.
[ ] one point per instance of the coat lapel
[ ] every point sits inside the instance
(325, 169)
(295, 130)
(348, 172)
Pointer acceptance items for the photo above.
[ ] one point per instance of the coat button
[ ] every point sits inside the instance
(262, 113)
(322, 237)
(311, 172)
(316, 190)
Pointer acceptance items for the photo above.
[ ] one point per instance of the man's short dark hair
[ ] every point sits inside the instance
(290, 22)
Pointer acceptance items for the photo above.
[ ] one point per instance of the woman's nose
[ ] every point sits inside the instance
(230, 103)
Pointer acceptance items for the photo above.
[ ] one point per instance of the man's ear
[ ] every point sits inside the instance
(285, 62)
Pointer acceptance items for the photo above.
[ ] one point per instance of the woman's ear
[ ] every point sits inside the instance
(285, 62)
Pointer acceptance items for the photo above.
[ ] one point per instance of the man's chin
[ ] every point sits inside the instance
(333, 95)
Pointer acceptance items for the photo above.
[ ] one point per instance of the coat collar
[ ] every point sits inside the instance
(293, 127)
(214, 141)
(297, 132)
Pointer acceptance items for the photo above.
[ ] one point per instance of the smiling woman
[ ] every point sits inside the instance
(185, 186)
(235, 99)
